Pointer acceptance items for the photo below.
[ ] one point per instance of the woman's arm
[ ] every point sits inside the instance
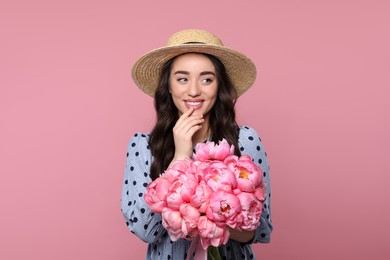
(139, 218)
(250, 144)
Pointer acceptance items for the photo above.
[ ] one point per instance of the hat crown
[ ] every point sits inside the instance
(146, 71)
(194, 36)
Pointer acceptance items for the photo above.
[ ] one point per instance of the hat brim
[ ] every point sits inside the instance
(146, 70)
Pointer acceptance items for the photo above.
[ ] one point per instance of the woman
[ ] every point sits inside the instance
(195, 81)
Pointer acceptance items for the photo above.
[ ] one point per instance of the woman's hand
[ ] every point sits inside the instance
(183, 131)
(241, 236)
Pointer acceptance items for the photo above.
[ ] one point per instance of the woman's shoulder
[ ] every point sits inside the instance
(247, 132)
(249, 139)
(139, 139)
(250, 143)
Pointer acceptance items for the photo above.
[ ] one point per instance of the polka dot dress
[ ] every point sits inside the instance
(148, 225)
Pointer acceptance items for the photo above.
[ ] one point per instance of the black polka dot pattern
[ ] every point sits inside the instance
(148, 225)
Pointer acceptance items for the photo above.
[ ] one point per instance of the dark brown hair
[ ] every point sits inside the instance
(222, 117)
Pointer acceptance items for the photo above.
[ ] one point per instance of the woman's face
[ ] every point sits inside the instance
(193, 83)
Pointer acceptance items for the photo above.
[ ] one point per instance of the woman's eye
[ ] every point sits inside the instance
(207, 81)
(182, 80)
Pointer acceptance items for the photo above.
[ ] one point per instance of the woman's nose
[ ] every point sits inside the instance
(194, 89)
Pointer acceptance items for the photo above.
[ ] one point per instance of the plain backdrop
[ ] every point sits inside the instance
(68, 107)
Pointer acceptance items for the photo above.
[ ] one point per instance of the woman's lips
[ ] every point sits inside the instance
(195, 104)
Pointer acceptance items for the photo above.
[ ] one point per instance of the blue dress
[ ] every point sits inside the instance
(147, 225)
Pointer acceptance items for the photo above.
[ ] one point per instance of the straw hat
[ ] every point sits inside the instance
(146, 70)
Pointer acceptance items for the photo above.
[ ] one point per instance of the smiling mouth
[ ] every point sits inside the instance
(193, 104)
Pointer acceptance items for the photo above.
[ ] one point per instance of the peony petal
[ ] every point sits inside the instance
(172, 222)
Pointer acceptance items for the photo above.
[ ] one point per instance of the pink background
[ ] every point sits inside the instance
(68, 107)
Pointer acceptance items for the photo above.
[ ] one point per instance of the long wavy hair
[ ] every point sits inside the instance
(222, 117)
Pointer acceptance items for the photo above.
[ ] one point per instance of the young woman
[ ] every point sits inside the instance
(195, 82)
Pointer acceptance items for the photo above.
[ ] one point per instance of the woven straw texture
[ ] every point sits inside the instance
(146, 70)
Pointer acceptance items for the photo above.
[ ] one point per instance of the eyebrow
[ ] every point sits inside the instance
(187, 73)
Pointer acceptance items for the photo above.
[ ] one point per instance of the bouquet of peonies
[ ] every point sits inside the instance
(202, 197)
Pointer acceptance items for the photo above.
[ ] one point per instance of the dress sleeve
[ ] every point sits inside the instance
(250, 144)
(139, 218)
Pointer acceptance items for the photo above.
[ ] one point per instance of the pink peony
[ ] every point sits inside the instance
(202, 151)
(224, 208)
(212, 234)
(210, 151)
(172, 222)
(181, 190)
(174, 200)
(156, 194)
(190, 216)
(250, 213)
(248, 174)
(199, 168)
(181, 165)
(259, 193)
(177, 168)
(219, 177)
(200, 199)
(189, 184)
(204, 196)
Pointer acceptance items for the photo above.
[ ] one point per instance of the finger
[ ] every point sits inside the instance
(187, 123)
(185, 119)
(186, 134)
(188, 114)
(191, 131)
(192, 121)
